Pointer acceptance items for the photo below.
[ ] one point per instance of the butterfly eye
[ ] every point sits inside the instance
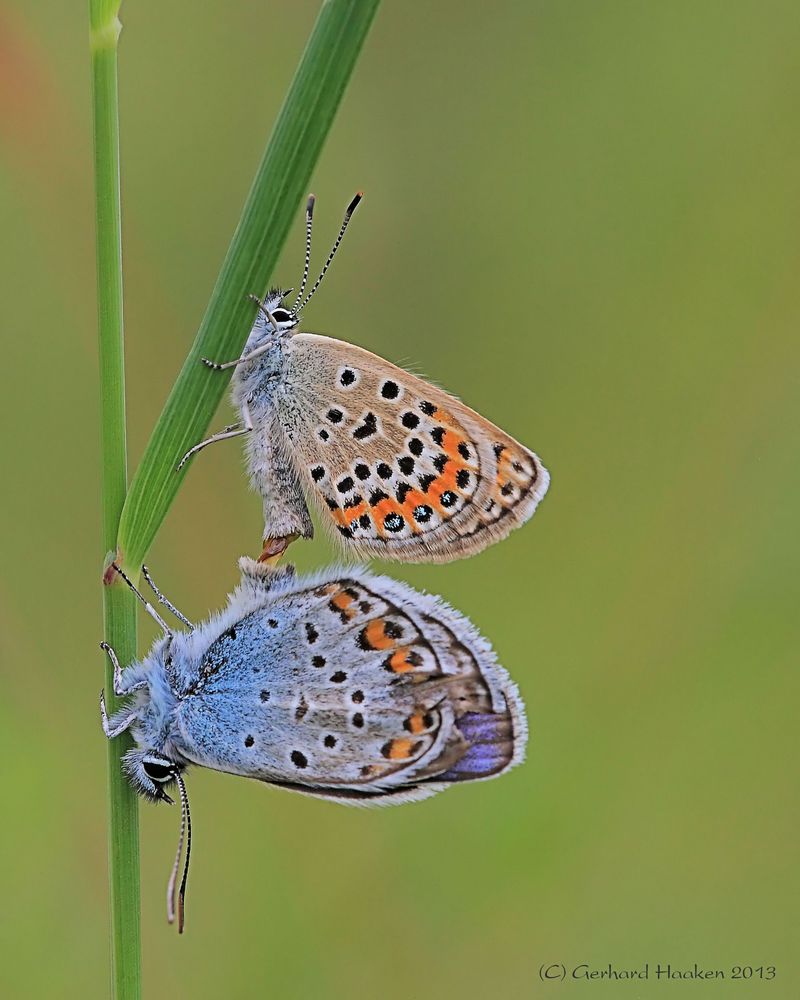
(157, 772)
(282, 315)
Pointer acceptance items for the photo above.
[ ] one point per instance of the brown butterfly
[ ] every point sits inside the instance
(398, 468)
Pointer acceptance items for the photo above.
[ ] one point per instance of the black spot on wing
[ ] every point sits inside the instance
(394, 522)
(367, 428)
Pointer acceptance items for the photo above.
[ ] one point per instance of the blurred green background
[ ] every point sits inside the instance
(581, 217)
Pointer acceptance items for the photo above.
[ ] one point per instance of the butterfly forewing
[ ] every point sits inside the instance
(399, 468)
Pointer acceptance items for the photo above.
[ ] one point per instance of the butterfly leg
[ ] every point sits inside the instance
(167, 603)
(231, 431)
(148, 607)
(264, 311)
(220, 367)
(117, 723)
(120, 686)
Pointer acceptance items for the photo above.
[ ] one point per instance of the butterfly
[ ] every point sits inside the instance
(396, 467)
(343, 685)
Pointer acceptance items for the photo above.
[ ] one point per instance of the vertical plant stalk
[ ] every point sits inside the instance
(131, 519)
(118, 604)
(303, 124)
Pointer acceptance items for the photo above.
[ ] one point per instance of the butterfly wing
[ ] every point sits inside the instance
(349, 686)
(399, 468)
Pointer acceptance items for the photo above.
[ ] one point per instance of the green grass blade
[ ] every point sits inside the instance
(119, 611)
(280, 183)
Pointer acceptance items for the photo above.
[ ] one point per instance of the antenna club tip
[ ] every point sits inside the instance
(354, 203)
(310, 202)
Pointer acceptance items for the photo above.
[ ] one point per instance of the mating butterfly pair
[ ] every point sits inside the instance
(347, 686)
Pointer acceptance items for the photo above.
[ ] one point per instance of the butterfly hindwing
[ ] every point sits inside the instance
(350, 686)
(398, 467)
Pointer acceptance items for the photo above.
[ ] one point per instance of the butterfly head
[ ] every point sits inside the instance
(150, 772)
(277, 317)
(275, 308)
(274, 321)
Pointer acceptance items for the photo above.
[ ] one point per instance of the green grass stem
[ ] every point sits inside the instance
(280, 183)
(118, 604)
(132, 518)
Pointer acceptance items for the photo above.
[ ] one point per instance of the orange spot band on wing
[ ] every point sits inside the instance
(416, 723)
(400, 662)
(446, 481)
(381, 510)
(345, 516)
(413, 499)
(450, 442)
(375, 635)
(399, 749)
(445, 417)
(342, 602)
(354, 512)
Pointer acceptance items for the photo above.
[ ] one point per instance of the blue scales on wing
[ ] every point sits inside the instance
(350, 686)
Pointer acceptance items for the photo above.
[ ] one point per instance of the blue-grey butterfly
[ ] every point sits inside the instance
(344, 685)
(397, 468)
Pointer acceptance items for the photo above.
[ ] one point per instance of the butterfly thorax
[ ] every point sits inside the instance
(158, 702)
(254, 381)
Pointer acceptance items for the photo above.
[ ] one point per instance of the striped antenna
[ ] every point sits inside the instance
(307, 265)
(345, 222)
(184, 837)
